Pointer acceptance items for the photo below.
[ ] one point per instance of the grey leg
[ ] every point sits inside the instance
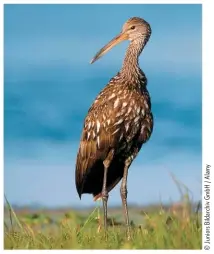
(123, 188)
(105, 197)
(123, 193)
(106, 164)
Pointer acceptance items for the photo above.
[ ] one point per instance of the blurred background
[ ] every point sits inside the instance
(49, 86)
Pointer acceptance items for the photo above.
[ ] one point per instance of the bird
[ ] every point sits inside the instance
(117, 124)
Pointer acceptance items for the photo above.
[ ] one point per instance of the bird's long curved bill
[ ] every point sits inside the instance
(119, 38)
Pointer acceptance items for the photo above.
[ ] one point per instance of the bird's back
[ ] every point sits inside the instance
(120, 119)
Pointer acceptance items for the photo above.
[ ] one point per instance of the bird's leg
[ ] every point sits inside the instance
(123, 193)
(123, 188)
(105, 197)
(106, 164)
(98, 216)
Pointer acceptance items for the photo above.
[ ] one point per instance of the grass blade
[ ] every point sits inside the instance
(11, 211)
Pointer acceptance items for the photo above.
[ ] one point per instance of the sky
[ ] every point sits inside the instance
(49, 86)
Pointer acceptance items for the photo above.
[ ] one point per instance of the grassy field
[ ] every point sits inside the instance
(156, 227)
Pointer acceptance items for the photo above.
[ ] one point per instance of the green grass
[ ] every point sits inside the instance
(156, 227)
(174, 228)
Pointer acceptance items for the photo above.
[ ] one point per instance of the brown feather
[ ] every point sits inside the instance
(119, 120)
(101, 135)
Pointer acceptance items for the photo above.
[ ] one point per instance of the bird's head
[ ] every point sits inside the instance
(134, 29)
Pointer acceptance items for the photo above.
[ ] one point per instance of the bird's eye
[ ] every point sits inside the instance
(132, 27)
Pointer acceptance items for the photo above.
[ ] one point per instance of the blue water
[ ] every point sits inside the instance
(49, 86)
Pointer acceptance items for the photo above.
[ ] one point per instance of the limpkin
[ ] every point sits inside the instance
(117, 124)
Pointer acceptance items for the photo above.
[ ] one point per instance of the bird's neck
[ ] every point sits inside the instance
(130, 69)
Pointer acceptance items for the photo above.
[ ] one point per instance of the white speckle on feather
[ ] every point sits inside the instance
(143, 112)
(98, 142)
(108, 121)
(116, 103)
(121, 136)
(146, 104)
(124, 104)
(111, 96)
(142, 129)
(116, 131)
(129, 109)
(119, 121)
(98, 126)
(127, 127)
(136, 119)
(88, 135)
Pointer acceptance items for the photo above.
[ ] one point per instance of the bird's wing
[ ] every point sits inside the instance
(103, 130)
(100, 133)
